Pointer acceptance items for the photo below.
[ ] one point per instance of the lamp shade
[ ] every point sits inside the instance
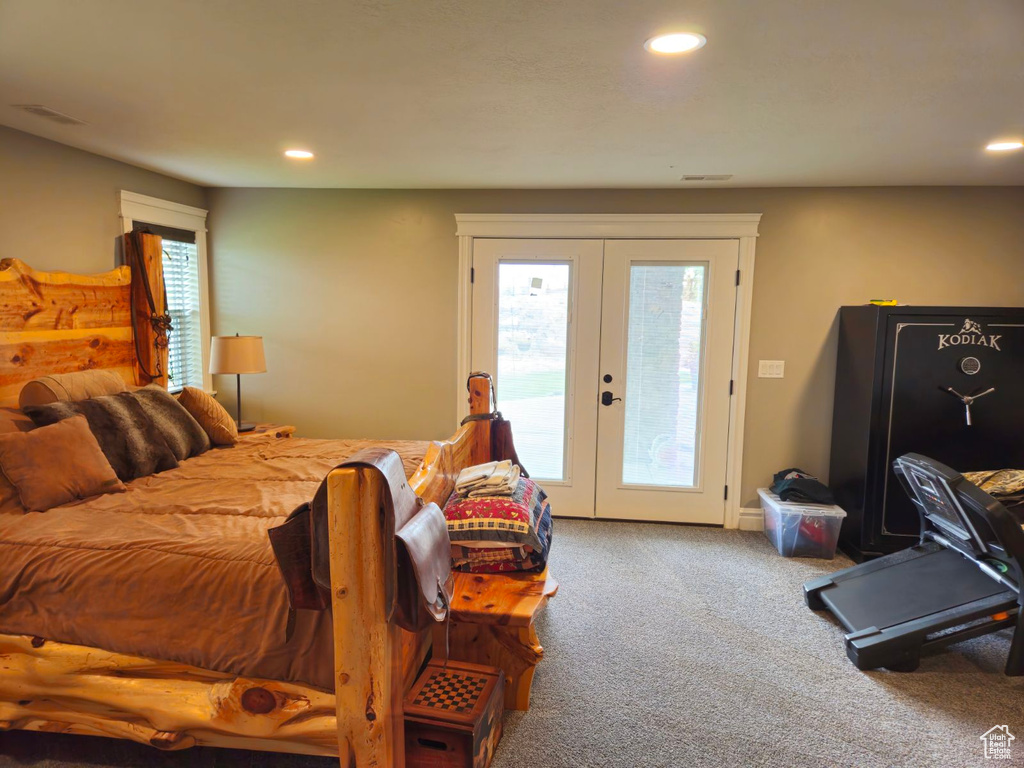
(237, 354)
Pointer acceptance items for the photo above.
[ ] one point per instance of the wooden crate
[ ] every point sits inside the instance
(453, 716)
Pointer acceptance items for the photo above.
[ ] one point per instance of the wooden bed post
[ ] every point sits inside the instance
(368, 660)
(366, 646)
(480, 402)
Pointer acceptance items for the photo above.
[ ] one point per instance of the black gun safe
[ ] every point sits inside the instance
(903, 375)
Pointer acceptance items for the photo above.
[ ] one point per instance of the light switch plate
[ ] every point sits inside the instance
(771, 369)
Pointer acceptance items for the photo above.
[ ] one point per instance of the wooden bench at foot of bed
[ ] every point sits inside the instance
(492, 622)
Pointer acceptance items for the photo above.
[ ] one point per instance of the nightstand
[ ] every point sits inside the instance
(268, 430)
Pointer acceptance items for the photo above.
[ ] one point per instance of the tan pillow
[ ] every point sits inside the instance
(9, 501)
(211, 416)
(56, 464)
(12, 420)
(64, 387)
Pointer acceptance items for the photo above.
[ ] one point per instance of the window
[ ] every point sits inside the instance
(185, 340)
(183, 231)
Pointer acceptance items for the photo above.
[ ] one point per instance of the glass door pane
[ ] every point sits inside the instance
(665, 343)
(533, 332)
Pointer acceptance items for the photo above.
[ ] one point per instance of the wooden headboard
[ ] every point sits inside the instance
(57, 322)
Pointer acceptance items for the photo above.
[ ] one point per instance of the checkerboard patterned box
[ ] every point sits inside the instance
(453, 716)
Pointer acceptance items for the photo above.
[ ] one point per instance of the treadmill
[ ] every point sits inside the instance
(961, 580)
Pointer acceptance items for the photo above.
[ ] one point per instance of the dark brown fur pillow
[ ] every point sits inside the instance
(181, 432)
(129, 439)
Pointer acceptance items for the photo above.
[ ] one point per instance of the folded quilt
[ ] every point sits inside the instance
(505, 559)
(502, 520)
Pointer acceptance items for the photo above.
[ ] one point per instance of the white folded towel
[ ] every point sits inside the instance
(496, 478)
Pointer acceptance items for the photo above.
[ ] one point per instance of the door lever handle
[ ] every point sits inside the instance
(607, 399)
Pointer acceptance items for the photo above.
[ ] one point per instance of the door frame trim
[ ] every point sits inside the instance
(624, 226)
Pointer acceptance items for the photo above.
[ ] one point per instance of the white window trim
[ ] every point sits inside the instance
(609, 226)
(152, 210)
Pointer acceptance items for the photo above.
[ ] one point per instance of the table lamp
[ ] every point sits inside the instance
(237, 355)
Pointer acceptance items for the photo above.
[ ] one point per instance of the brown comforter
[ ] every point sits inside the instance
(180, 568)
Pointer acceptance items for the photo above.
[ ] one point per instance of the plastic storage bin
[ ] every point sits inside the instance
(801, 530)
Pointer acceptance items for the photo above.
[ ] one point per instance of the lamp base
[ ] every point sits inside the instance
(246, 426)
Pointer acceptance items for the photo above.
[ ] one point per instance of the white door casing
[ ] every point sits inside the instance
(472, 229)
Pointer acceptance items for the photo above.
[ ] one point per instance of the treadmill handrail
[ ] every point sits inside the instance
(972, 506)
(987, 569)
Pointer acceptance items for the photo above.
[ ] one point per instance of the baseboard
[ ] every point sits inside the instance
(751, 519)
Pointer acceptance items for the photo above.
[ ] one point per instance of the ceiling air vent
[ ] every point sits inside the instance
(50, 114)
(707, 177)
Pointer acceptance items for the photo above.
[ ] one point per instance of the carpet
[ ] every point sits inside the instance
(687, 646)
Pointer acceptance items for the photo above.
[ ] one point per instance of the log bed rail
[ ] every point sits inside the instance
(56, 322)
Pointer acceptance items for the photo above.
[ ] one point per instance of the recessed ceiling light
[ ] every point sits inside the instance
(680, 42)
(1004, 146)
(298, 154)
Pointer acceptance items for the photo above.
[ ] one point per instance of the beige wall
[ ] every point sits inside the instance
(355, 289)
(355, 293)
(58, 205)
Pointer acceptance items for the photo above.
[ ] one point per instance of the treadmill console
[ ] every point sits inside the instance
(950, 506)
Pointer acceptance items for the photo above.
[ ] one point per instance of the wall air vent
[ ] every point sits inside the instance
(707, 177)
(50, 114)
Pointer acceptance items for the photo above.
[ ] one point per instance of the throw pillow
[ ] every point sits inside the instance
(12, 420)
(56, 464)
(77, 385)
(180, 431)
(9, 499)
(211, 415)
(129, 439)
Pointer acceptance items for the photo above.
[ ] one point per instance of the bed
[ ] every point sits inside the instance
(229, 676)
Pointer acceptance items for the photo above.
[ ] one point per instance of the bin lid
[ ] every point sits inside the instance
(803, 508)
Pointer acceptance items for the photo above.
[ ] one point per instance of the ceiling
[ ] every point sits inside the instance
(534, 93)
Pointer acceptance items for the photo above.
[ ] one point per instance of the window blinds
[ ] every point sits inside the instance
(184, 341)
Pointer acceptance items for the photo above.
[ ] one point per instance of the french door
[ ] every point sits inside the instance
(612, 360)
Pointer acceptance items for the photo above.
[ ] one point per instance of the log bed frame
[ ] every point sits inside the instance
(56, 322)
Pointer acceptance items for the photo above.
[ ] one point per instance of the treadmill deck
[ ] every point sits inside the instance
(921, 586)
